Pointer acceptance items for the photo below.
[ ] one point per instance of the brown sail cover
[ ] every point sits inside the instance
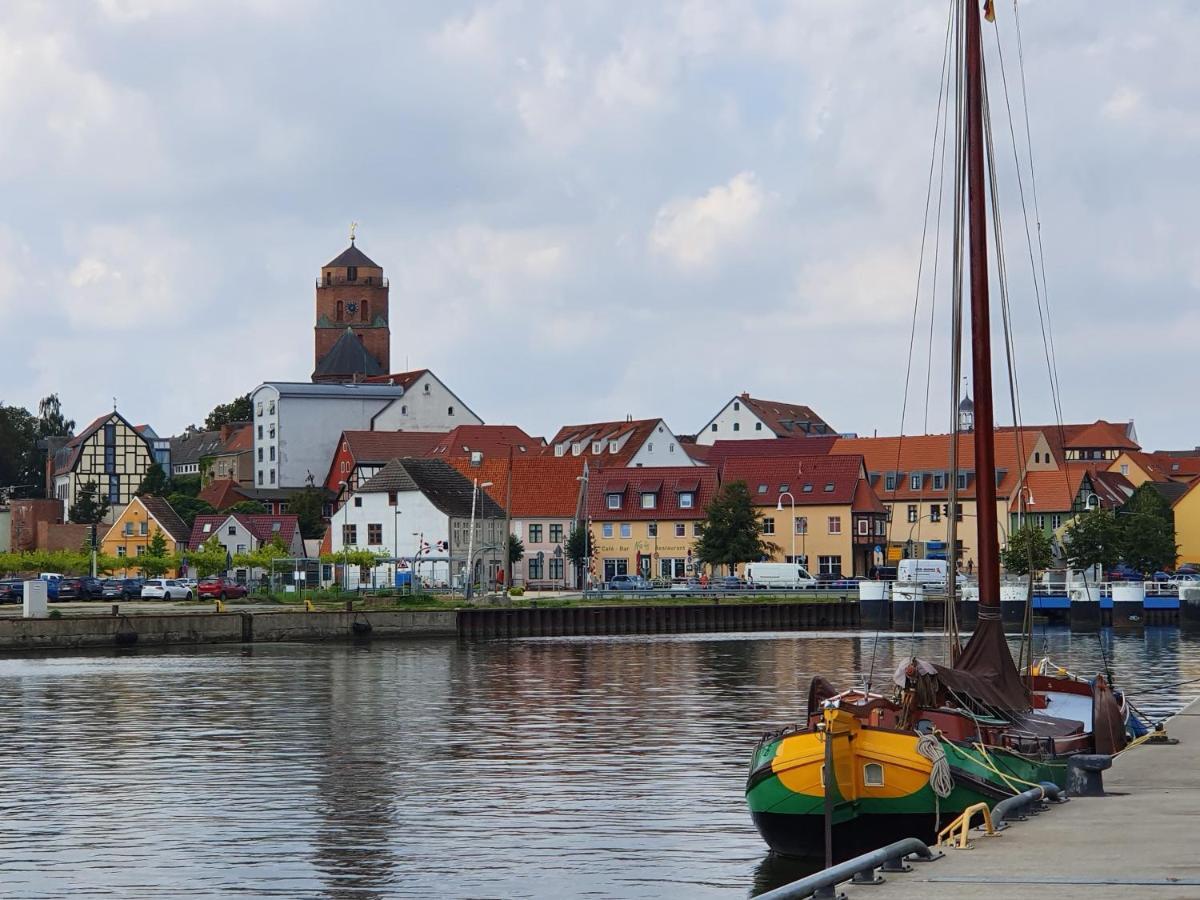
(1108, 722)
(987, 657)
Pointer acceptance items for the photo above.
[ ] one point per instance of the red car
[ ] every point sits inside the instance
(216, 586)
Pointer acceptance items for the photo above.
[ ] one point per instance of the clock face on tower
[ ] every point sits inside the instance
(351, 307)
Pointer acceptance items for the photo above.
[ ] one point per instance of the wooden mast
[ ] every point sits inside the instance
(981, 345)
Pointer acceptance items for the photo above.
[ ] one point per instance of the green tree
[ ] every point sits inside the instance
(155, 482)
(1029, 550)
(1148, 501)
(732, 529)
(236, 410)
(90, 507)
(209, 558)
(1147, 542)
(250, 508)
(51, 421)
(579, 548)
(187, 485)
(155, 562)
(516, 549)
(1093, 539)
(21, 467)
(308, 506)
(190, 507)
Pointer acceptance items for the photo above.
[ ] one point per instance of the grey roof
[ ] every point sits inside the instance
(348, 357)
(351, 256)
(966, 405)
(1170, 490)
(358, 391)
(191, 446)
(167, 518)
(447, 488)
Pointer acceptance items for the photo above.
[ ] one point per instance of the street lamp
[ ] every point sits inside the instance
(1023, 505)
(1087, 501)
(587, 534)
(396, 545)
(471, 536)
(779, 508)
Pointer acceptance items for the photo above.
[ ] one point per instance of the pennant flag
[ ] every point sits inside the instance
(989, 10)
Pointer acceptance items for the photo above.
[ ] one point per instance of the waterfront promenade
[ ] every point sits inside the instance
(1137, 842)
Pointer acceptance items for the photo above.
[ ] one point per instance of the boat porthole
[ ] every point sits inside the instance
(873, 775)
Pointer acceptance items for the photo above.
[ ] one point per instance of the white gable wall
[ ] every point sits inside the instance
(734, 423)
(661, 449)
(428, 405)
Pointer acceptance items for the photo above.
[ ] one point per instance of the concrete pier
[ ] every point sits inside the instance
(1136, 842)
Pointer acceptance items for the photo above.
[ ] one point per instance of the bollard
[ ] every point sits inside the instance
(116, 609)
(1084, 778)
(350, 605)
(220, 607)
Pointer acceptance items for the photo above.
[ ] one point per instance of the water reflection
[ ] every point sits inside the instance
(610, 767)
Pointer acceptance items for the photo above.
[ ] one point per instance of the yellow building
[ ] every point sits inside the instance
(646, 520)
(819, 511)
(1187, 524)
(130, 535)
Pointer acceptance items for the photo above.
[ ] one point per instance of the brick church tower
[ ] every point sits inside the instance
(353, 339)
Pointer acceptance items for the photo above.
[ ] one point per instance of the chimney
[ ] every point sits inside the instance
(226, 430)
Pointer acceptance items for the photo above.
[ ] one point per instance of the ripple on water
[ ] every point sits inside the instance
(606, 767)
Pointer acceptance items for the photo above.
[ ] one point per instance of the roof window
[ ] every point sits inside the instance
(762, 488)
(829, 487)
(807, 488)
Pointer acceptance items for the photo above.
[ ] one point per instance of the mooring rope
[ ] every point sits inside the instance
(941, 781)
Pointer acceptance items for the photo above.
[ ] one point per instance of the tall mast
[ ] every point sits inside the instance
(981, 342)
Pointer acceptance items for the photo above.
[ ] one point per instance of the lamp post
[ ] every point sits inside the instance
(345, 547)
(1087, 501)
(1023, 505)
(471, 535)
(587, 534)
(396, 545)
(779, 508)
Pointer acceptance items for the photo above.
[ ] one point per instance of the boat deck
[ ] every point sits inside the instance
(1137, 842)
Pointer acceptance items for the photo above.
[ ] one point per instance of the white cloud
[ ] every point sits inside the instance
(1123, 103)
(693, 233)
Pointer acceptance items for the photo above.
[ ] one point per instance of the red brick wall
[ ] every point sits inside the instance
(27, 518)
(376, 340)
(64, 537)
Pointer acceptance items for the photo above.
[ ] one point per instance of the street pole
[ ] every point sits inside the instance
(779, 507)
(471, 538)
(345, 548)
(396, 545)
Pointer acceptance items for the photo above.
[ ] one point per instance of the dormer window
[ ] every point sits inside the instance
(614, 501)
(649, 500)
(962, 481)
(686, 499)
(597, 446)
(613, 446)
(576, 448)
(560, 449)
(939, 481)
(889, 481)
(914, 482)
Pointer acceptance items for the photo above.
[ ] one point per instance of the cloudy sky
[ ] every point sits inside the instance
(586, 209)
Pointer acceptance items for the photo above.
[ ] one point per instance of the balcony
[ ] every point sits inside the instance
(342, 281)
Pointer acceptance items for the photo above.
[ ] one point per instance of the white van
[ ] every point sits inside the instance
(779, 575)
(924, 571)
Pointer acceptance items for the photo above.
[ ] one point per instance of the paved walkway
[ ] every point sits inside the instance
(1139, 842)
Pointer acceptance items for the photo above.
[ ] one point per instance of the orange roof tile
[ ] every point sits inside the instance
(542, 486)
(812, 480)
(490, 440)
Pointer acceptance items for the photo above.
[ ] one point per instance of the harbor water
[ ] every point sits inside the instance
(535, 768)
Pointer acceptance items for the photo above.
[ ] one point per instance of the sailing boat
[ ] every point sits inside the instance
(864, 768)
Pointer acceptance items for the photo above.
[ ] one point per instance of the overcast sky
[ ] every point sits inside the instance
(586, 210)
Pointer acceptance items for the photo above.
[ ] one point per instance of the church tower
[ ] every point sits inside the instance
(352, 336)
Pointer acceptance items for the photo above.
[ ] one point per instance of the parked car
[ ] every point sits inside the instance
(218, 587)
(83, 587)
(1122, 572)
(883, 573)
(1185, 579)
(1188, 569)
(12, 590)
(839, 584)
(189, 583)
(779, 575)
(628, 583)
(165, 589)
(121, 588)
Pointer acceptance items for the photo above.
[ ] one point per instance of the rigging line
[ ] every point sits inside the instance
(1009, 348)
(933, 156)
(956, 333)
(1043, 316)
(1055, 387)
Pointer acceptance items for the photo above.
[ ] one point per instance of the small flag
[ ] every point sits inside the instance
(989, 10)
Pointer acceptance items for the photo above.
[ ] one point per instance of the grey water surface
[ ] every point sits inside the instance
(586, 767)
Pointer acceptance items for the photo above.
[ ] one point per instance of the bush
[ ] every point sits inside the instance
(55, 614)
(516, 591)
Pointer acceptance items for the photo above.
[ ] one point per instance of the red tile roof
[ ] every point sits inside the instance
(719, 451)
(404, 379)
(928, 453)
(542, 486)
(221, 493)
(1177, 466)
(381, 446)
(1112, 488)
(632, 482)
(812, 480)
(261, 526)
(632, 433)
(240, 440)
(490, 440)
(1156, 468)
(786, 419)
(1049, 491)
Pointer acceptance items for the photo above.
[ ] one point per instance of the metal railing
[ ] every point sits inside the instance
(860, 870)
(340, 281)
